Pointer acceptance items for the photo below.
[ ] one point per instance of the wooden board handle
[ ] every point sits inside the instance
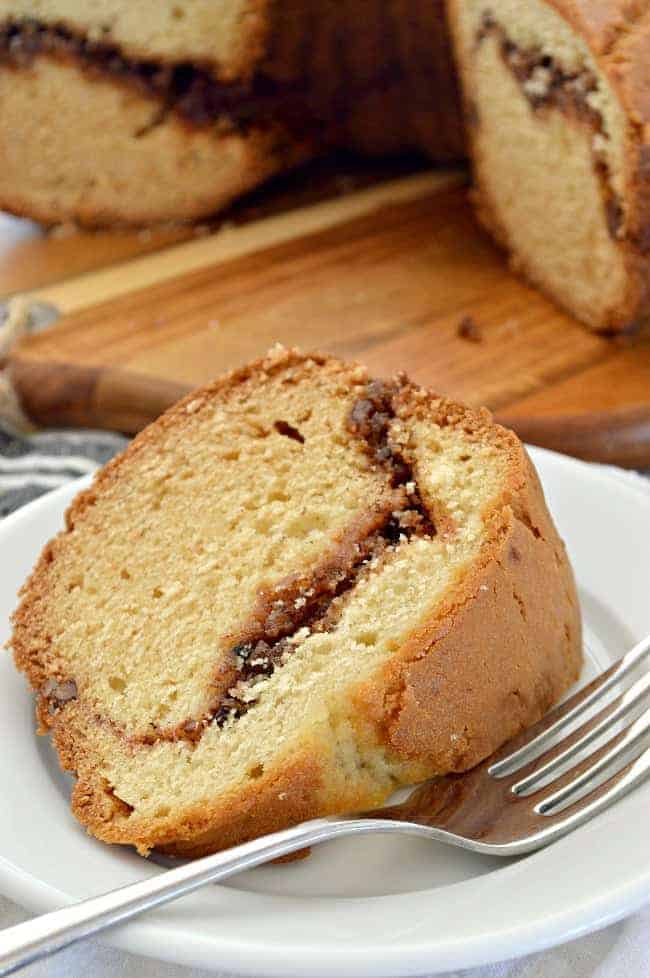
(63, 395)
(66, 395)
(617, 437)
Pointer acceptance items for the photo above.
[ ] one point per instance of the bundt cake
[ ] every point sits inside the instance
(297, 590)
(137, 111)
(128, 113)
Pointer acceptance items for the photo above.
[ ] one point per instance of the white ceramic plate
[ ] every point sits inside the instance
(371, 907)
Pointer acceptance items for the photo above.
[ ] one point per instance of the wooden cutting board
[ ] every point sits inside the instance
(386, 275)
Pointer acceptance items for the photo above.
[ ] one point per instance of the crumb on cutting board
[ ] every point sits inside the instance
(468, 329)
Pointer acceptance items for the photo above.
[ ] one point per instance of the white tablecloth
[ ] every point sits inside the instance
(619, 951)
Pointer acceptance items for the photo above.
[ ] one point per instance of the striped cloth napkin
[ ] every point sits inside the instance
(31, 465)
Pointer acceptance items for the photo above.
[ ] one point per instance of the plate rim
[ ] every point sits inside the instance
(144, 935)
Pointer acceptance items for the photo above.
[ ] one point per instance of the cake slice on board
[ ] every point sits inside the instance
(297, 590)
(557, 107)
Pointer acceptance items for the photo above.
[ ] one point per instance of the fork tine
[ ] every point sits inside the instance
(586, 772)
(586, 735)
(540, 736)
(604, 795)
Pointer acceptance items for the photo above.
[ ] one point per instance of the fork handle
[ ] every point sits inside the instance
(42, 936)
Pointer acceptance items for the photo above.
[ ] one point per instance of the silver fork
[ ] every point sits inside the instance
(541, 785)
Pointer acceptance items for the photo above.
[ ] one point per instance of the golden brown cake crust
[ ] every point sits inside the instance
(488, 663)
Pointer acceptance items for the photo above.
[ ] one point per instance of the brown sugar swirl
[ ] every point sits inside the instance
(546, 84)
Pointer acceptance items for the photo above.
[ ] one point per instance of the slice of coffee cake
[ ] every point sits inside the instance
(297, 590)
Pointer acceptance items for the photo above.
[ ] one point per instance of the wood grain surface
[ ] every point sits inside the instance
(386, 275)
